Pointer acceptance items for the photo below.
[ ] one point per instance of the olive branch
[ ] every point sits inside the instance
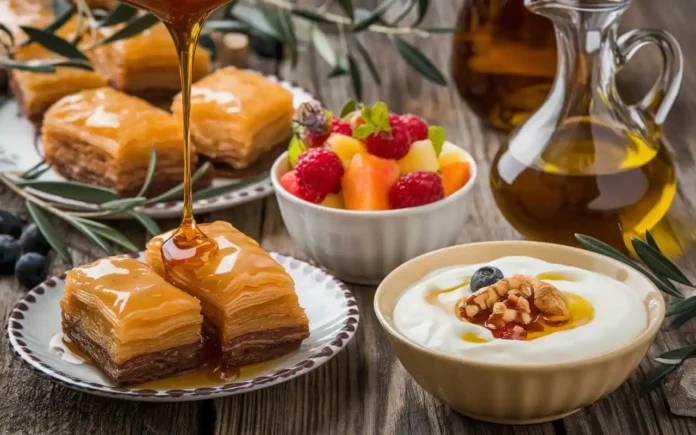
(664, 274)
(336, 37)
(102, 203)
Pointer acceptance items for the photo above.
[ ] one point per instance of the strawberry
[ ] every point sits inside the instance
(319, 170)
(416, 127)
(415, 189)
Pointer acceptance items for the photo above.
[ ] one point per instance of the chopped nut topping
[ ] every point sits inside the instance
(516, 300)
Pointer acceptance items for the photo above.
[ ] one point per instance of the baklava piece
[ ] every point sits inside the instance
(36, 92)
(240, 120)
(103, 137)
(248, 299)
(134, 325)
(147, 65)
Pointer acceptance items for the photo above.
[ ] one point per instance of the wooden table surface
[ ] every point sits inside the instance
(364, 390)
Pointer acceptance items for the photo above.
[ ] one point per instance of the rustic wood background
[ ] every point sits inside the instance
(364, 390)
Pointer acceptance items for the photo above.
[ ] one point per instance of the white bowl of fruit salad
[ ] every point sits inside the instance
(367, 191)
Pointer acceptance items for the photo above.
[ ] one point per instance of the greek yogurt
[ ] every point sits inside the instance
(425, 314)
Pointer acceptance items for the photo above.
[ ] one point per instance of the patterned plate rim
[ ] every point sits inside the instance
(19, 349)
(161, 210)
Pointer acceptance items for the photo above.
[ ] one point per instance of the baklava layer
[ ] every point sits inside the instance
(103, 137)
(237, 118)
(36, 92)
(130, 321)
(147, 65)
(247, 298)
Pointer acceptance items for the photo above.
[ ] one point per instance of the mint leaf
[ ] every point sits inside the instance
(380, 117)
(349, 107)
(295, 148)
(366, 114)
(436, 135)
(363, 131)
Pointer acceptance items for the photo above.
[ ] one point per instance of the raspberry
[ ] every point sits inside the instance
(340, 126)
(389, 146)
(317, 140)
(291, 184)
(416, 127)
(319, 171)
(415, 189)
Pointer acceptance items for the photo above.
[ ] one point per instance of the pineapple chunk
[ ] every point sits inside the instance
(451, 154)
(334, 200)
(421, 157)
(345, 147)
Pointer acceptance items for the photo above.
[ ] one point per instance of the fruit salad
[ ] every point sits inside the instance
(369, 159)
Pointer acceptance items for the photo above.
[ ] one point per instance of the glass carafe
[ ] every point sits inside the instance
(587, 162)
(503, 60)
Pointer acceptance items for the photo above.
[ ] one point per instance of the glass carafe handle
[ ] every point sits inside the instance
(659, 100)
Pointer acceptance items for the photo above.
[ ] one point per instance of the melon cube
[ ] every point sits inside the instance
(333, 200)
(345, 147)
(451, 154)
(367, 181)
(421, 157)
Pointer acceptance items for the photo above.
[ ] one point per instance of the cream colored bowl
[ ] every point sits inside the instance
(510, 393)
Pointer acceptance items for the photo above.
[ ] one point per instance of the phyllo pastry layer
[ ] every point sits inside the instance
(130, 321)
(247, 298)
(104, 136)
(237, 116)
(36, 92)
(147, 65)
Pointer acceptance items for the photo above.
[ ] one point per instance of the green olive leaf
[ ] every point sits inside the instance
(658, 263)
(436, 134)
(373, 17)
(119, 14)
(4, 29)
(323, 46)
(295, 149)
(677, 356)
(73, 190)
(151, 166)
(347, 6)
(365, 54)
(32, 65)
(54, 43)
(92, 236)
(310, 15)
(177, 191)
(418, 61)
(49, 231)
(56, 24)
(134, 27)
(147, 222)
(422, 9)
(109, 233)
(123, 203)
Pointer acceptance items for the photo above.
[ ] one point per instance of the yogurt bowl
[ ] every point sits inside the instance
(364, 246)
(514, 381)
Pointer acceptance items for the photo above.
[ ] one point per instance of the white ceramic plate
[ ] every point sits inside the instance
(21, 149)
(330, 306)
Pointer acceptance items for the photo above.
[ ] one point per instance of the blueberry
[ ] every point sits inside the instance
(9, 253)
(485, 276)
(31, 269)
(32, 240)
(10, 224)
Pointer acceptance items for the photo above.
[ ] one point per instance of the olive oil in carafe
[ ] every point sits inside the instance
(590, 179)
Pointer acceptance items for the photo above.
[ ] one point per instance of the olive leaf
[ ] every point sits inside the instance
(679, 319)
(288, 31)
(685, 306)
(33, 66)
(310, 15)
(677, 356)
(178, 190)
(667, 363)
(29, 173)
(213, 191)
(49, 231)
(73, 64)
(347, 6)
(73, 190)
(340, 68)
(134, 27)
(422, 10)
(440, 29)
(123, 203)
(658, 263)
(4, 29)
(418, 61)
(225, 26)
(256, 19)
(651, 240)
(54, 25)
(147, 222)
(54, 43)
(151, 166)
(602, 248)
(657, 375)
(92, 236)
(109, 233)
(373, 17)
(355, 78)
(120, 14)
(368, 61)
(323, 46)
